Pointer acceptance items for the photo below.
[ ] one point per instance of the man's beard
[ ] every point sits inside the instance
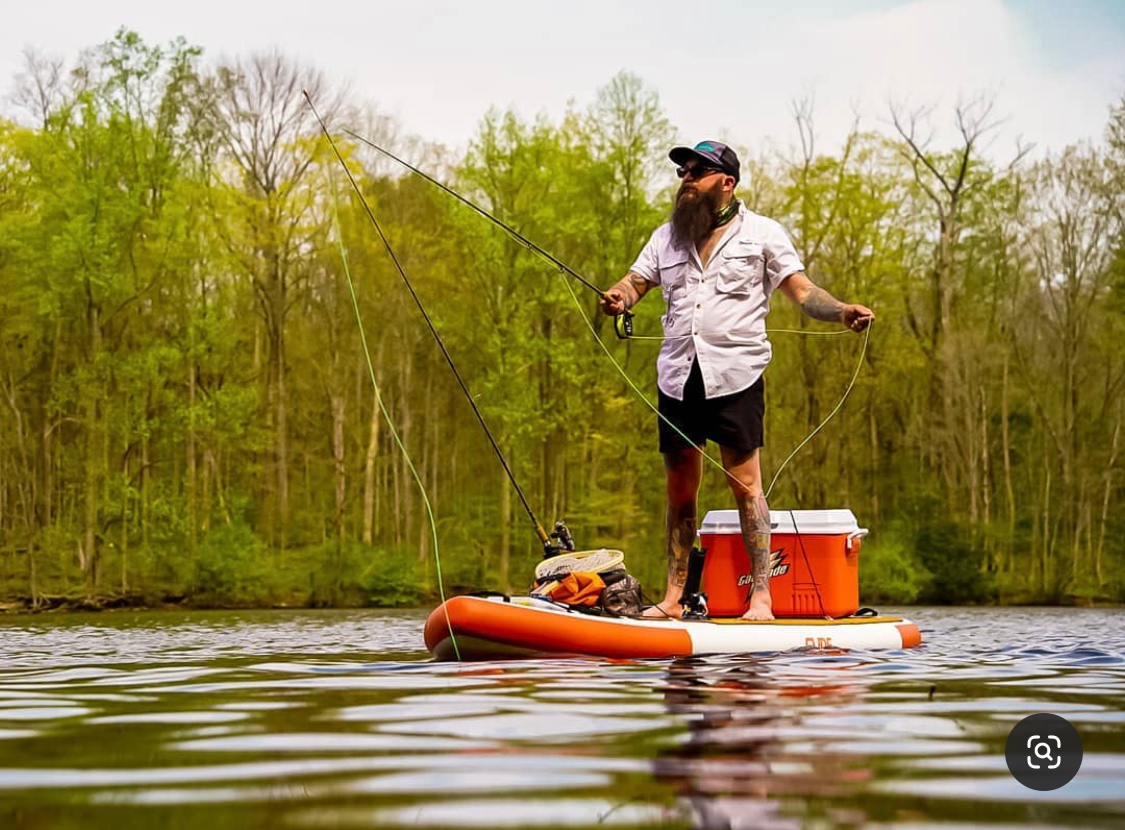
(693, 219)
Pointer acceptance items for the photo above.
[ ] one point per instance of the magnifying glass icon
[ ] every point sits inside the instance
(1046, 747)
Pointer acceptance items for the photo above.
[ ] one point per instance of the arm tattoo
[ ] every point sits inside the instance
(681, 537)
(633, 286)
(820, 305)
(754, 517)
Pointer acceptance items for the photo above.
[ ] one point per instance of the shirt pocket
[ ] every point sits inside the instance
(673, 276)
(742, 268)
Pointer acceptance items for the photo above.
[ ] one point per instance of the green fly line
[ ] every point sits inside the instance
(831, 415)
(386, 415)
(663, 337)
(563, 268)
(711, 459)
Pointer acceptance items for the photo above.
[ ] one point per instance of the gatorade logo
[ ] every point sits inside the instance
(779, 563)
(779, 566)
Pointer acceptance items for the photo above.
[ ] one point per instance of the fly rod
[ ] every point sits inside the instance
(622, 323)
(561, 533)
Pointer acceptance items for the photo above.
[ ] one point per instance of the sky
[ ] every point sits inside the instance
(727, 69)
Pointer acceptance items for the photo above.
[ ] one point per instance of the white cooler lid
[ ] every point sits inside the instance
(825, 522)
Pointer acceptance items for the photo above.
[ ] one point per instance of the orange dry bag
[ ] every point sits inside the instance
(578, 588)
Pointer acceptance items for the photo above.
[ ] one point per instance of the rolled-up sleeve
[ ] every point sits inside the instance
(647, 264)
(781, 257)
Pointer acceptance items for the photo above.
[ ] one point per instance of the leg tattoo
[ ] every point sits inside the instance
(681, 538)
(754, 516)
(756, 535)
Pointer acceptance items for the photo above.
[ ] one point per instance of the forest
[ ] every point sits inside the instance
(218, 389)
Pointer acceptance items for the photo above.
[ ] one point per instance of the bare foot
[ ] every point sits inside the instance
(663, 611)
(761, 607)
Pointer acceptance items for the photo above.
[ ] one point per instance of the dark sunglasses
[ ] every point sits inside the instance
(696, 171)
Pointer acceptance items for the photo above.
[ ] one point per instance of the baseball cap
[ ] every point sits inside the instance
(712, 153)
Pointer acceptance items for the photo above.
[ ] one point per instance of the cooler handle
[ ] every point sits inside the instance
(856, 534)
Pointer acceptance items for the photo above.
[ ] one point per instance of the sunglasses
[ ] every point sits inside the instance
(696, 171)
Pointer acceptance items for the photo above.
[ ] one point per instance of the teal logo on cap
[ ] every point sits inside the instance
(705, 145)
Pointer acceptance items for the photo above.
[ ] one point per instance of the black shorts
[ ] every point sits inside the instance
(733, 421)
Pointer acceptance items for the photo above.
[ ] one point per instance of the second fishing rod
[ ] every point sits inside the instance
(560, 539)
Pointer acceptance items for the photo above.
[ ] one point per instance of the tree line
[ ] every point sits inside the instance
(217, 389)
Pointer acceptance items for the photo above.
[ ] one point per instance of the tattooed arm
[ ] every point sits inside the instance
(820, 305)
(625, 294)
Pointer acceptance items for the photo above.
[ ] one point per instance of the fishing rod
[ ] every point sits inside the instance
(561, 532)
(622, 323)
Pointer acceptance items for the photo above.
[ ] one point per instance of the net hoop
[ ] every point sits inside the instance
(594, 561)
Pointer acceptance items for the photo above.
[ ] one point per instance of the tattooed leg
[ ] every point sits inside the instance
(754, 517)
(684, 468)
(681, 537)
(745, 479)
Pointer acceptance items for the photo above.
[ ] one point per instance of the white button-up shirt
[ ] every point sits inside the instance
(717, 313)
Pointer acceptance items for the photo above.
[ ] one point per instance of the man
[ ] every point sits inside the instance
(717, 264)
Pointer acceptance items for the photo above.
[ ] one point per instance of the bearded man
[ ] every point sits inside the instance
(717, 264)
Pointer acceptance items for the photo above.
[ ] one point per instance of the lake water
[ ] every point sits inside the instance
(339, 720)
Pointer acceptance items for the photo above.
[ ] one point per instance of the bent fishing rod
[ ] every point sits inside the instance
(561, 532)
(622, 323)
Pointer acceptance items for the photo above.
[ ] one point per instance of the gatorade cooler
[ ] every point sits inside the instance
(814, 563)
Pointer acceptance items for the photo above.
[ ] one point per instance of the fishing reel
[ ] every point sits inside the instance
(563, 540)
(623, 324)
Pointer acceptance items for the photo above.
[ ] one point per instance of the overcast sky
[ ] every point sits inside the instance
(723, 69)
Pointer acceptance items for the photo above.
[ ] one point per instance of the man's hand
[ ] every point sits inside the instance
(856, 317)
(613, 302)
(624, 295)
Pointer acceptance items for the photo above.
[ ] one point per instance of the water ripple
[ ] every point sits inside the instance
(338, 719)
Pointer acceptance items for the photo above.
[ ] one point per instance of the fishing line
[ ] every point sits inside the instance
(714, 462)
(855, 374)
(562, 267)
(718, 464)
(539, 531)
(386, 415)
(628, 380)
(768, 331)
(527, 243)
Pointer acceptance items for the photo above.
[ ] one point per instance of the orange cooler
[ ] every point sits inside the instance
(814, 563)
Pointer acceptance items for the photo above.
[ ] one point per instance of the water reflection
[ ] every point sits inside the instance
(339, 720)
(733, 766)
